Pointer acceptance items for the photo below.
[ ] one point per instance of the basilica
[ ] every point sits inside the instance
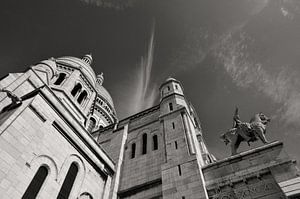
(60, 138)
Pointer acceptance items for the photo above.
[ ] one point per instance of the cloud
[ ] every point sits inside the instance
(145, 92)
(258, 5)
(115, 4)
(281, 86)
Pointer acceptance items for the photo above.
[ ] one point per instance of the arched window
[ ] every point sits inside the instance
(60, 79)
(85, 195)
(144, 149)
(155, 142)
(92, 124)
(82, 97)
(101, 127)
(77, 88)
(133, 146)
(66, 188)
(36, 183)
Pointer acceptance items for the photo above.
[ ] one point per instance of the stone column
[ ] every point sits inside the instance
(187, 132)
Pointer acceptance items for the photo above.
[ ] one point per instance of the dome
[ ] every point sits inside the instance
(104, 93)
(81, 64)
(84, 65)
(171, 79)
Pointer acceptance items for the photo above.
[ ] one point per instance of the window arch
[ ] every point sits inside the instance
(92, 124)
(36, 183)
(155, 142)
(133, 147)
(60, 79)
(85, 195)
(66, 188)
(82, 97)
(144, 149)
(77, 88)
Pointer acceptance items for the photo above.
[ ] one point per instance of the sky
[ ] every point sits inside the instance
(243, 53)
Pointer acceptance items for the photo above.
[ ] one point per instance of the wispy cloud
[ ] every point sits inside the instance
(145, 91)
(258, 5)
(281, 86)
(115, 4)
(231, 49)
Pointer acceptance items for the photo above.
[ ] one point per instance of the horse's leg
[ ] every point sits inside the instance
(233, 149)
(262, 136)
(233, 145)
(238, 142)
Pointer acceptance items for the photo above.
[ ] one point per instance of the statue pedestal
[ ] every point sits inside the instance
(265, 172)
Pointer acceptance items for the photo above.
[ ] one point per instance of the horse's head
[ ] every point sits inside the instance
(260, 117)
(264, 119)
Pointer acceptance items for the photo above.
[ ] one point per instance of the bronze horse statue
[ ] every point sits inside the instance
(246, 132)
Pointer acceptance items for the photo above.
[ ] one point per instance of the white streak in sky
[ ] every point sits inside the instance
(145, 92)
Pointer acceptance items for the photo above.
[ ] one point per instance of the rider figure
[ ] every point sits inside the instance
(238, 124)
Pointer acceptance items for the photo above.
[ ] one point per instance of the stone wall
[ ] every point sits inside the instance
(257, 173)
(29, 142)
(38, 134)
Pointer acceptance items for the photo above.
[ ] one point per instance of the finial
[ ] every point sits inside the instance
(88, 58)
(100, 79)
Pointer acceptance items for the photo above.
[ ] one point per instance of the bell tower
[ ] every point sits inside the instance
(172, 98)
(182, 173)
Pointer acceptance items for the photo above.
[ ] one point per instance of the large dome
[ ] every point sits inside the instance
(104, 93)
(80, 64)
(84, 65)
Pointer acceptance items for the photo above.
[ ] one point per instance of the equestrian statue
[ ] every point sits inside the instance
(246, 132)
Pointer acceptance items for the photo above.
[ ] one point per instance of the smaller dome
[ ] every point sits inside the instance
(88, 59)
(104, 93)
(171, 79)
(100, 79)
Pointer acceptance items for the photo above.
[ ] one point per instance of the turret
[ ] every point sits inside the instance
(172, 97)
(88, 59)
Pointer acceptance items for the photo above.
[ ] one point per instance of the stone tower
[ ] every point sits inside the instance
(159, 152)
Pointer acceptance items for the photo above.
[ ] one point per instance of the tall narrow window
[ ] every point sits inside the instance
(155, 142)
(171, 106)
(77, 88)
(92, 124)
(176, 147)
(82, 97)
(66, 188)
(176, 86)
(133, 146)
(144, 149)
(179, 170)
(36, 183)
(60, 79)
(173, 125)
(169, 88)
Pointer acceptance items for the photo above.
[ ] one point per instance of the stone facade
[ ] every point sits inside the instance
(50, 130)
(67, 120)
(258, 173)
(162, 151)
